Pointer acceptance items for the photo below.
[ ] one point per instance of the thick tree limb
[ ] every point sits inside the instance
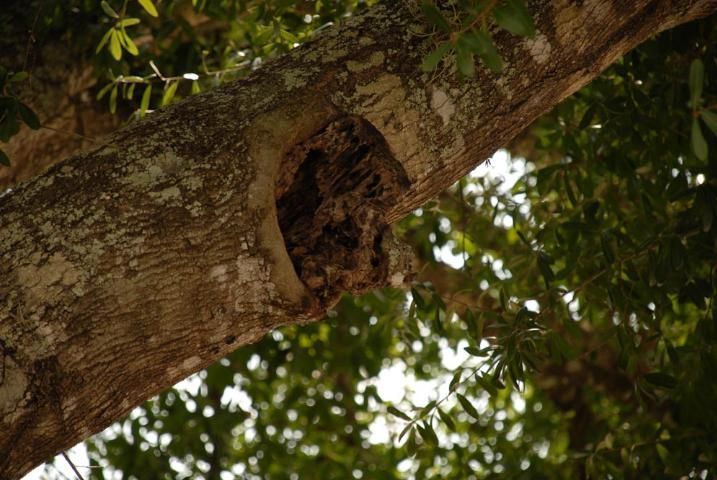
(132, 266)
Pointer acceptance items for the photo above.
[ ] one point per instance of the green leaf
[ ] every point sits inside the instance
(411, 446)
(587, 118)
(515, 368)
(130, 91)
(398, 413)
(468, 406)
(8, 121)
(660, 379)
(127, 43)
(437, 323)
(544, 262)
(431, 61)
(113, 99)
(411, 317)
(115, 46)
(196, 88)
(481, 44)
(487, 385)
(475, 326)
(149, 7)
(104, 90)
(144, 104)
(710, 119)
(455, 380)
(514, 17)
(495, 381)
(8, 128)
(427, 408)
(128, 22)
(28, 116)
(435, 16)
(288, 36)
(446, 418)
(108, 10)
(569, 191)
(697, 77)
(663, 453)
(405, 430)
(699, 145)
(4, 160)
(503, 297)
(464, 59)
(477, 352)
(169, 92)
(105, 39)
(18, 77)
(427, 433)
(418, 299)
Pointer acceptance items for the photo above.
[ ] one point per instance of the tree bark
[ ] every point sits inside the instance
(196, 231)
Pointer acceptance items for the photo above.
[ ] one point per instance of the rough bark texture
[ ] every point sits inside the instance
(127, 268)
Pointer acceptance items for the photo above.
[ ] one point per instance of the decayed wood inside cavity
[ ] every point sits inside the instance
(332, 196)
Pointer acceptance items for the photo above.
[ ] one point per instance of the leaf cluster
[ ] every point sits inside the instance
(465, 31)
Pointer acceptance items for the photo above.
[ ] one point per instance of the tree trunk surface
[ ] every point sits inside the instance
(196, 231)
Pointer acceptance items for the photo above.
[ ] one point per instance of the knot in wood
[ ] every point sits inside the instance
(332, 196)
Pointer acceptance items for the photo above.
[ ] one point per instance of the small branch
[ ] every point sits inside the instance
(72, 466)
(73, 134)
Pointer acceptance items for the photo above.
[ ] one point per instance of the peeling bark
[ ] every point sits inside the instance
(129, 267)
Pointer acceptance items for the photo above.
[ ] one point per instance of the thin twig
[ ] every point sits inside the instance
(31, 38)
(74, 134)
(72, 466)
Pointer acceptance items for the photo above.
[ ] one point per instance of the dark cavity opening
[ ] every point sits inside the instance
(332, 195)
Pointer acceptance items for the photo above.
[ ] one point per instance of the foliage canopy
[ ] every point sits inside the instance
(564, 320)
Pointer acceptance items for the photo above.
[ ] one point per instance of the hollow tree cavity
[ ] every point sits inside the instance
(332, 196)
